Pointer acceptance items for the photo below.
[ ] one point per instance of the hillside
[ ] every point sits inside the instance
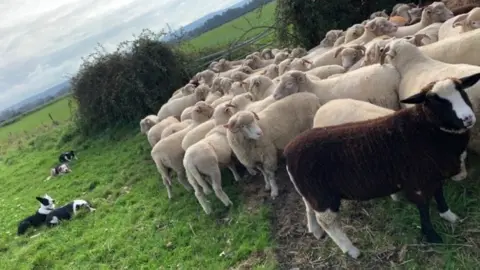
(233, 30)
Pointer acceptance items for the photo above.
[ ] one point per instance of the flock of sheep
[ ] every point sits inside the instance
(358, 74)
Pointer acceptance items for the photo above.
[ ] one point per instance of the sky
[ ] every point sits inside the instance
(42, 42)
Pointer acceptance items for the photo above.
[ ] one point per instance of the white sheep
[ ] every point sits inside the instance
(324, 72)
(168, 153)
(435, 12)
(207, 156)
(350, 55)
(183, 91)
(175, 107)
(236, 88)
(147, 123)
(270, 71)
(155, 133)
(175, 127)
(460, 49)
(418, 70)
(255, 139)
(375, 83)
(432, 33)
(374, 28)
(460, 24)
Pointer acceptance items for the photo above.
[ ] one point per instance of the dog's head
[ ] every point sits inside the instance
(79, 204)
(72, 154)
(47, 204)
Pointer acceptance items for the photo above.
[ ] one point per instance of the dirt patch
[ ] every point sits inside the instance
(296, 248)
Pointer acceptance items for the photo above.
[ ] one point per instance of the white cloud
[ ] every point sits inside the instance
(41, 41)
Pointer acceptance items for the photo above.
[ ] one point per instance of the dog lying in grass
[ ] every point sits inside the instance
(47, 205)
(67, 211)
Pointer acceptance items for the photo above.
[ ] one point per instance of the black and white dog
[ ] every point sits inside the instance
(67, 211)
(47, 205)
(67, 156)
(58, 170)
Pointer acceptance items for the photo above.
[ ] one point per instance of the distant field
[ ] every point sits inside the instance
(231, 31)
(59, 110)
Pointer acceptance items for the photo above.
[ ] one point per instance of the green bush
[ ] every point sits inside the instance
(121, 87)
(310, 20)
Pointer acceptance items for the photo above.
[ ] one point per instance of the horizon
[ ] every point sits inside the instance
(40, 52)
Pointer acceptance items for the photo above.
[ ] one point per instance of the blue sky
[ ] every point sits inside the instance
(43, 41)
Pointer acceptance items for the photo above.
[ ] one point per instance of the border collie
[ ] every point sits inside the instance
(67, 211)
(67, 156)
(58, 170)
(47, 205)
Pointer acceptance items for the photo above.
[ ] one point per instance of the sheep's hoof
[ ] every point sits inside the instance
(353, 252)
(449, 216)
(395, 197)
(460, 176)
(319, 234)
(434, 238)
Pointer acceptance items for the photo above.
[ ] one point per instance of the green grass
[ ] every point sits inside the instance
(234, 29)
(135, 226)
(58, 109)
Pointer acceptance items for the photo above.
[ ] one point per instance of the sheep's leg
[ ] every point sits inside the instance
(312, 224)
(236, 176)
(395, 196)
(216, 178)
(265, 178)
(443, 208)
(331, 224)
(463, 170)
(426, 224)
(167, 181)
(183, 180)
(273, 183)
(251, 171)
(199, 194)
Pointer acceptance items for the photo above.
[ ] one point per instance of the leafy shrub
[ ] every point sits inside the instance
(311, 20)
(121, 87)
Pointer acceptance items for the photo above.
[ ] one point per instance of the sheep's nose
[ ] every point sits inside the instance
(468, 120)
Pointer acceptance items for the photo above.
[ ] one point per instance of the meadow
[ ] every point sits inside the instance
(233, 30)
(137, 227)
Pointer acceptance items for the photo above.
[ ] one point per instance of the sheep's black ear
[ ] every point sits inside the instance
(469, 81)
(415, 99)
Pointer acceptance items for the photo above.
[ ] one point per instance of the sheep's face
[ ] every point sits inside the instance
(280, 57)
(298, 52)
(381, 26)
(245, 122)
(223, 112)
(237, 88)
(272, 71)
(202, 111)
(267, 54)
(202, 92)
(188, 89)
(350, 55)
(354, 32)
(397, 47)
(330, 38)
(300, 64)
(436, 12)
(469, 21)
(289, 84)
(415, 14)
(382, 13)
(225, 85)
(258, 85)
(238, 76)
(147, 123)
(449, 102)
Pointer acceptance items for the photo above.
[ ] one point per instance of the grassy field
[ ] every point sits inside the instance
(231, 31)
(58, 109)
(135, 226)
